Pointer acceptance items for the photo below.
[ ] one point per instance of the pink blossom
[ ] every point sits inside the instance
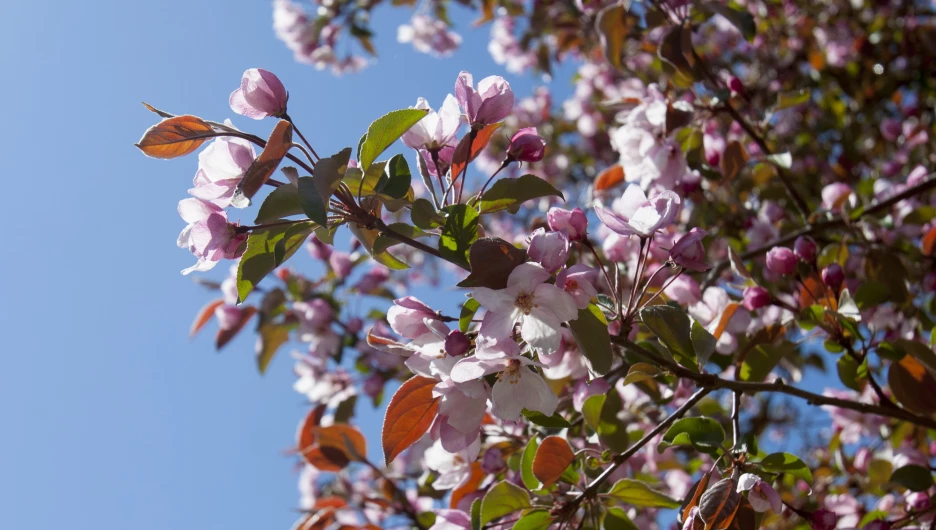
(451, 520)
(918, 501)
(314, 316)
(852, 425)
(833, 276)
(846, 507)
(526, 146)
(429, 35)
(452, 468)
(823, 520)
(549, 249)
(490, 103)
(372, 280)
(538, 307)
(341, 264)
(805, 249)
(781, 260)
(762, 496)
(834, 195)
(566, 362)
(221, 166)
(573, 222)
(756, 297)
(689, 253)
(209, 235)
(579, 281)
(407, 316)
(684, 290)
(436, 130)
(261, 94)
(634, 214)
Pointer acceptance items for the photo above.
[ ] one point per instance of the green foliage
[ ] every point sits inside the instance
(503, 499)
(458, 234)
(913, 477)
(384, 131)
(704, 434)
(787, 463)
(267, 249)
(672, 327)
(509, 194)
(639, 493)
(590, 331)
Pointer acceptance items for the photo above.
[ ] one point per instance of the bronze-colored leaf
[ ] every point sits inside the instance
(733, 159)
(718, 505)
(613, 24)
(305, 435)
(463, 155)
(745, 518)
(912, 385)
(264, 165)
(929, 242)
(204, 315)
(492, 260)
(468, 487)
(411, 411)
(174, 137)
(721, 323)
(552, 458)
(335, 447)
(609, 178)
(225, 335)
(693, 496)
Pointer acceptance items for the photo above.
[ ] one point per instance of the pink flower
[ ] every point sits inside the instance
(834, 195)
(572, 222)
(918, 501)
(340, 263)
(221, 166)
(490, 103)
(833, 276)
(451, 520)
(261, 94)
(452, 468)
(756, 297)
(436, 130)
(540, 308)
(689, 253)
(372, 280)
(579, 281)
(781, 260)
(209, 235)
(550, 249)
(823, 520)
(805, 249)
(407, 316)
(762, 496)
(526, 146)
(634, 214)
(429, 35)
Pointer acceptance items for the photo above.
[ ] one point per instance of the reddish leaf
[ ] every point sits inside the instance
(469, 486)
(334, 447)
(204, 315)
(609, 178)
(552, 458)
(912, 385)
(492, 260)
(174, 137)
(723, 319)
(225, 335)
(386, 344)
(409, 415)
(692, 498)
(745, 518)
(718, 504)
(461, 157)
(265, 164)
(305, 436)
(929, 242)
(814, 291)
(733, 159)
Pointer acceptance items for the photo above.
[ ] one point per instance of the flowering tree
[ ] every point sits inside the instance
(736, 196)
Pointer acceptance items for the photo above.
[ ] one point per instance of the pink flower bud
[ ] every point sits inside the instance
(689, 252)
(355, 325)
(549, 249)
(862, 459)
(833, 276)
(318, 249)
(261, 94)
(457, 343)
(407, 315)
(572, 222)
(781, 260)
(918, 501)
(805, 249)
(822, 519)
(834, 195)
(526, 146)
(756, 297)
(735, 85)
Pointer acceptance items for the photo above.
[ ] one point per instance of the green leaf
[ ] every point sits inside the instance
(612, 432)
(913, 477)
(639, 493)
(870, 294)
(503, 499)
(617, 519)
(591, 410)
(281, 202)
(847, 368)
(703, 342)
(384, 131)
(383, 242)
(368, 238)
(314, 192)
(398, 177)
(424, 215)
(590, 331)
(260, 257)
(671, 325)
(459, 232)
(550, 422)
(705, 434)
(741, 19)
(787, 463)
(640, 372)
(467, 313)
(791, 99)
(270, 338)
(476, 515)
(535, 520)
(762, 359)
(526, 465)
(509, 194)
(426, 519)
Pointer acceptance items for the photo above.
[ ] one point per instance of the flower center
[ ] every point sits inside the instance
(510, 372)
(525, 303)
(571, 285)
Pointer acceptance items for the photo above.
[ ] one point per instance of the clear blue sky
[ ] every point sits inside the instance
(111, 417)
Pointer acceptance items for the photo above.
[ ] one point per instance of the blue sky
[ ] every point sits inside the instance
(112, 417)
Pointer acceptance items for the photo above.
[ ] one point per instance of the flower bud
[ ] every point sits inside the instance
(261, 94)
(822, 519)
(781, 260)
(862, 459)
(735, 85)
(341, 264)
(805, 249)
(526, 146)
(689, 253)
(918, 501)
(833, 276)
(756, 297)
(572, 222)
(550, 249)
(457, 343)
(834, 195)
